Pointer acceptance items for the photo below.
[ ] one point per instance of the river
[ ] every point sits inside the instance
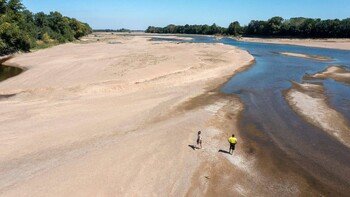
(278, 132)
(269, 122)
(324, 160)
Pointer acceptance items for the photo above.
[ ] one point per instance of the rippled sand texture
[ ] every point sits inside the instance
(114, 115)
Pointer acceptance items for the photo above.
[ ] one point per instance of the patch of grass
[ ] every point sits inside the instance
(43, 45)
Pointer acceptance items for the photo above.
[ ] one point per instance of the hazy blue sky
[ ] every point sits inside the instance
(139, 14)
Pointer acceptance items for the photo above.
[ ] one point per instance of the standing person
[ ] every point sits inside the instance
(199, 140)
(233, 141)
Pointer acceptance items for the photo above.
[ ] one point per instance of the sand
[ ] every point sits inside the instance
(113, 115)
(179, 38)
(309, 101)
(334, 72)
(306, 56)
(343, 44)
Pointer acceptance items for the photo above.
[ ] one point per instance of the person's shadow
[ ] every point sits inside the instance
(224, 151)
(193, 147)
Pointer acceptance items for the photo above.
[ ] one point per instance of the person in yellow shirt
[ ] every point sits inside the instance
(233, 141)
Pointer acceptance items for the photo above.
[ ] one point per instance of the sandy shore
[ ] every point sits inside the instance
(308, 101)
(115, 115)
(343, 44)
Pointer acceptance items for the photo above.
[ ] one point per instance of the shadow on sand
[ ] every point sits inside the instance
(193, 147)
(224, 151)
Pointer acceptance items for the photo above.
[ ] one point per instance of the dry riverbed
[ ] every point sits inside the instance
(115, 114)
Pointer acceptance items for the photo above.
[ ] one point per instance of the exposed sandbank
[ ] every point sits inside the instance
(309, 101)
(337, 73)
(307, 56)
(343, 44)
(96, 118)
(184, 38)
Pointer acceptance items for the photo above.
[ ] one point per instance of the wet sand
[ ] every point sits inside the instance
(115, 115)
(343, 44)
(309, 101)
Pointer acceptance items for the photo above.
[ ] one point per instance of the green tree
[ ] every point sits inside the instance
(2, 7)
(234, 29)
(274, 25)
(15, 5)
(20, 29)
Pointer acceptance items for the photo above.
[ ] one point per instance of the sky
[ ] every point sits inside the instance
(139, 14)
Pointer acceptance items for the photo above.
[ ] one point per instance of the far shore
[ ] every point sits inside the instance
(332, 43)
(329, 43)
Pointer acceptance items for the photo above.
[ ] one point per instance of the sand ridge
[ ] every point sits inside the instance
(307, 56)
(337, 73)
(309, 101)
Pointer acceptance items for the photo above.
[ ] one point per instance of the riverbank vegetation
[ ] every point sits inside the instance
(274, 27)
(122, 30)
(21, 30)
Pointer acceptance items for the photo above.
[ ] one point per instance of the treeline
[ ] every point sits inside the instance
(188, 29)
(122, 30)
(21, 30)
(274, 27)
(300, 27)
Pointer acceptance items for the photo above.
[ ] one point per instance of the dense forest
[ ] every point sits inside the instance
(275, 27)
(21, 30)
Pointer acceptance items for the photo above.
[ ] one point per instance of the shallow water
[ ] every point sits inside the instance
(8, 71)
(317, 156)
(261, 89)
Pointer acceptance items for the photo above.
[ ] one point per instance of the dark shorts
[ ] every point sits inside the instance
(199, 141)
(232, 146)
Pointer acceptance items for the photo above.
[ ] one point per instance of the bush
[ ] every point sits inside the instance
(46, 38)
